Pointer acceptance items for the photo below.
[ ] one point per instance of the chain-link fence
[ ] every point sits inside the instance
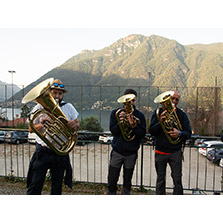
(202, 104)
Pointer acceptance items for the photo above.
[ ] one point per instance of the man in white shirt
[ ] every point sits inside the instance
(45, 158)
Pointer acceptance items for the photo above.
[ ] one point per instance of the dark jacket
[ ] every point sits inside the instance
(118, 143)
(161, 142)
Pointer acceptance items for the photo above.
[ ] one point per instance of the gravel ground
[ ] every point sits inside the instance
(5, 189)
(16, 186)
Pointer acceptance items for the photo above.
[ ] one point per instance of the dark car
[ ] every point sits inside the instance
(16, 137)
(2, 136)
(147, 140)
(191, 141)
(86, 137)
(215, 155)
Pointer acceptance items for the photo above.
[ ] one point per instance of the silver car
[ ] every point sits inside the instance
(209, 145)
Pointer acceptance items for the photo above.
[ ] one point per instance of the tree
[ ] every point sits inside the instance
(25, 111)
(204, 110)
(91, 124)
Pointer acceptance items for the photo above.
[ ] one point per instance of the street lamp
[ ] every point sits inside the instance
(12, 72)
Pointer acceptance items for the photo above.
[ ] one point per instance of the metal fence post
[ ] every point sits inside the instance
(222, 180)
(100, 104)
(141, 180)
(196, 113)
(81, 102)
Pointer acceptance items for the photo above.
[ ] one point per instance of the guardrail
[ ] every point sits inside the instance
(90, 161)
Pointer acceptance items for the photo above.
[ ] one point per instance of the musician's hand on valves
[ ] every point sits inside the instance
(163, 115)
(121, 115)
(174, 133)
(132, 120)
(74, 124)
(43, 120)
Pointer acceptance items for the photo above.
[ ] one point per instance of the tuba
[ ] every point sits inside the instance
(55, 133)
(124, 124)
(172, 120)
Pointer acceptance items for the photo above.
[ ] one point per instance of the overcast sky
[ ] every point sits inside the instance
(36, 38)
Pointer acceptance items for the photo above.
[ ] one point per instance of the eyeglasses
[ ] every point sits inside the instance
(58, 85)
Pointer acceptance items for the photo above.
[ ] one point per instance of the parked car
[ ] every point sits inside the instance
(192, 140)
(86, 137)
(2, 136)
(32, 137)
(106, 138)
(89, 136)
(16, 137)
(200, 141)
(147, 140)
(215, 155)
(209, 145)
(221, 162)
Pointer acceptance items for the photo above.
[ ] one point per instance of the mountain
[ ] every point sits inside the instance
(138, 60)
(6, 90)
(131, 58)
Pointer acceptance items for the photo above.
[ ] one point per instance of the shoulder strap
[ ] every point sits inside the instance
(62, 103)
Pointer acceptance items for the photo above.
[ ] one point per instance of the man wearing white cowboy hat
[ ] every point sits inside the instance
(44, 158)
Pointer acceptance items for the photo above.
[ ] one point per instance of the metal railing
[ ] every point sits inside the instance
(90, 161)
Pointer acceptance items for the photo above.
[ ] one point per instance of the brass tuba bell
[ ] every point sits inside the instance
(172, 120)
(56, 133)
(124, 124)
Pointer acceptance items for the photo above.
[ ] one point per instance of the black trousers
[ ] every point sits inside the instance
(175, 162)
(42, 160)
(116, 162)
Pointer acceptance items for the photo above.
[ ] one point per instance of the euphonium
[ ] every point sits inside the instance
(171, 121)
(55, 133)
(124, 124)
